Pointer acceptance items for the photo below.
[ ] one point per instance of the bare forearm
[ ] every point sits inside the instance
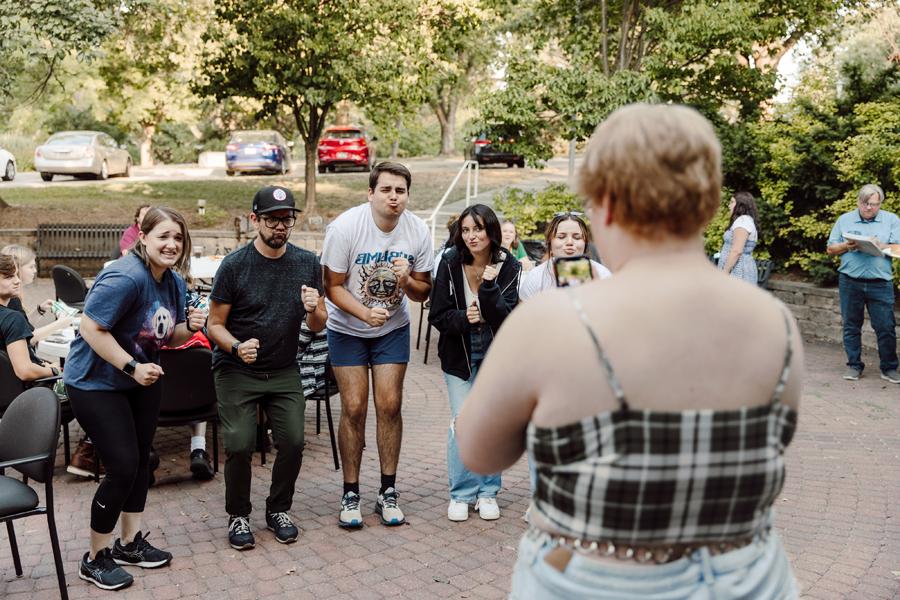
(316, 319)
(105, 345)
(345, 301)
(181, 334)
(220, 336)
(837, 249)
(417, 290)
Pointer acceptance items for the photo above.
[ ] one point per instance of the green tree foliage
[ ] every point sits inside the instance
(298, 55)
(531, 211)
(841, 131)
(37, 35)
(148, 66)
(570, 64)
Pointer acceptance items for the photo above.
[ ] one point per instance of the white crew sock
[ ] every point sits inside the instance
(198, 442)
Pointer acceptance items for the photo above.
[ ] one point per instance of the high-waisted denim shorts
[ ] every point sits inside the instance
(759, 571)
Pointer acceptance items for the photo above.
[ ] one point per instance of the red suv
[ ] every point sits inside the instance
(345, 146)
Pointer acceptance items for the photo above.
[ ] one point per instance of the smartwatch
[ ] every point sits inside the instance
(54, 370)
(234, 348)
(129, 367)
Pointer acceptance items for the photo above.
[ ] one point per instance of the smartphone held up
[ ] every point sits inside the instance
(572, 270)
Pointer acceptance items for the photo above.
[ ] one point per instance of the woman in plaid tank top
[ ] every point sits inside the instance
(656, 404)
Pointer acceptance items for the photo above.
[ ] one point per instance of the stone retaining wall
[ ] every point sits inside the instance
(818, 311)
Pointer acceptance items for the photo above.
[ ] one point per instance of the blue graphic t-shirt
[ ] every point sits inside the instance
(138, 311)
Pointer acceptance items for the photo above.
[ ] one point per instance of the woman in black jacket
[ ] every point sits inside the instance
(476, 287)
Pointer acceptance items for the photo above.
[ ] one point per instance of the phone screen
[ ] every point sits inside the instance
(572, 270)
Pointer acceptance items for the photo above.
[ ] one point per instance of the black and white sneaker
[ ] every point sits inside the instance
(239, 535)
(285, 530)
(140, 553)
(201, 467)
(104, 572)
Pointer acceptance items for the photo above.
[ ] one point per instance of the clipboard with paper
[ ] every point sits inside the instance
(864, 243)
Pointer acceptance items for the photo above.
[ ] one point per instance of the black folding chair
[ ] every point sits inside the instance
(188, 392)
(29, 432)
(70, 286)
(11, 386)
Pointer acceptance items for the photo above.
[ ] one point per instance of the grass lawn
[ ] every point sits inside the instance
(115, 201)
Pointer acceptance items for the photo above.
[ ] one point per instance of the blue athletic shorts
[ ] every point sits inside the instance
(352, 351)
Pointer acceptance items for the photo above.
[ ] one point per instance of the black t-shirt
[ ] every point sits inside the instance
(266, 303)
(14, 327)
(15, 303)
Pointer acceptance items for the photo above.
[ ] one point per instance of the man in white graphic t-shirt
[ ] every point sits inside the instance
(375, 256)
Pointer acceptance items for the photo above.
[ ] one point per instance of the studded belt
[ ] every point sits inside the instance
(641, 553)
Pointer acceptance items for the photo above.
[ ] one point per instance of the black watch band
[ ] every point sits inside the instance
(234, 348)
(129, 367)
(188, 325)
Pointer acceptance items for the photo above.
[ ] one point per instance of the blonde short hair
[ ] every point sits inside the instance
(21, 254)
(659, 166)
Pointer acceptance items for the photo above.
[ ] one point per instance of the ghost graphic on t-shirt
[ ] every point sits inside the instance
(162, 323)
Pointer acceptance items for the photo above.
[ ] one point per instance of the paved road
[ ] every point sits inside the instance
(188, 172)
(838, 512)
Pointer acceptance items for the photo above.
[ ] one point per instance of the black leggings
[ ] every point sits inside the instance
(122, 425)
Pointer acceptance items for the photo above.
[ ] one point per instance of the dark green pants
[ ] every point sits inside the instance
(280, 394)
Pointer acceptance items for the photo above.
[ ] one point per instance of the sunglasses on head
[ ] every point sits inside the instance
(568, 213)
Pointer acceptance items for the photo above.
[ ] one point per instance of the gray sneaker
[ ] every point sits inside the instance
(893, 376)
(852, 374)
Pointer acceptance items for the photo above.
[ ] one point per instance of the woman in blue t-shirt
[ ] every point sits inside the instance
(135, 307)
(15, 332)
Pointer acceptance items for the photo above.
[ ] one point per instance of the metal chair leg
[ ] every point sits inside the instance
(215, 426)
(54, 543)
(66, 453)
(334, 452)
(427, 342)
(14, 548)
(421, 318)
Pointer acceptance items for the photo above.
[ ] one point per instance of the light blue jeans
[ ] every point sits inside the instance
(759, 571)
(465, 486)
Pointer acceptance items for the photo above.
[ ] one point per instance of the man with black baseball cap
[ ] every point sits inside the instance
(261, 294)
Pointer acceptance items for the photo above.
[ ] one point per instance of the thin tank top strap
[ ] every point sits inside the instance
(601, 354)
(788, 354)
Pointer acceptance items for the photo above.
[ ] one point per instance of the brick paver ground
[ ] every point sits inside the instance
(837, 514)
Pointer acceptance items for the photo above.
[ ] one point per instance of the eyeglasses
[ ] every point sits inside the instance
(568, 213)
(272, 222)
(871, 204)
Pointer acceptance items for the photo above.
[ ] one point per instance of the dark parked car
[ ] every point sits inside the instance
(257, 151)
(482, 150)
(345, 146)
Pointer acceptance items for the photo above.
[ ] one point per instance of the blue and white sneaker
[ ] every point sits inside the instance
(104, 572)
(386, 506)
(351, 516)
(139, 553)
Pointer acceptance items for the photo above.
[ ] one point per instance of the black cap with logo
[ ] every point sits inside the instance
(272, 198)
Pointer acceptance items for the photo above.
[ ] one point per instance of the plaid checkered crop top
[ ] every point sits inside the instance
(643, 476)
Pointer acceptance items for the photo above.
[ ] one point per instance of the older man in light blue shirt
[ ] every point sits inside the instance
(867, 281)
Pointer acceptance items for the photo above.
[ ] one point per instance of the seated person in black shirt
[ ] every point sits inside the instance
(15, 332)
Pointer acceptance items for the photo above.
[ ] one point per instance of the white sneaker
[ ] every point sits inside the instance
(351, 516)
(458, 511)
(386, 506)
(487, 509)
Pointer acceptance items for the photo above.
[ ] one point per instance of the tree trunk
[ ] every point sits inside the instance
(147, 145)
(445, 109)
(395, 146)
(310, 174)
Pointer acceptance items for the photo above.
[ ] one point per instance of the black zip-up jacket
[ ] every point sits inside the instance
(496, 298)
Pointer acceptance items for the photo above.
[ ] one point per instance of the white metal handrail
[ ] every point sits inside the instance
(470, 167)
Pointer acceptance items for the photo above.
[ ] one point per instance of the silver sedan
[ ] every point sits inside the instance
(81, 153)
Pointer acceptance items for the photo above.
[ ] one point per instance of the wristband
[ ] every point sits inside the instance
(234, 348)
(41, 310)
(187, 324)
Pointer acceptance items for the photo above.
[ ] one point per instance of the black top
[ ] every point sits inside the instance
(266, 303)
(15, 303)
(14, 327)
(496, 298)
